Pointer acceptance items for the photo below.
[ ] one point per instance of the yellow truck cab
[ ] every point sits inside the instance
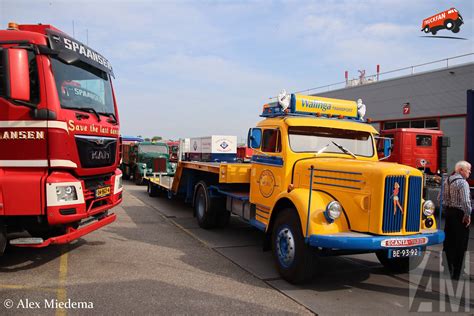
(316, 187)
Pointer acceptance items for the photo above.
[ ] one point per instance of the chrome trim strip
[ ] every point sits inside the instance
(342, 179)
(337, 185)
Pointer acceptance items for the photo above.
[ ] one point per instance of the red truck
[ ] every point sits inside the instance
(416, 147)
(450, 19)
(59, 138)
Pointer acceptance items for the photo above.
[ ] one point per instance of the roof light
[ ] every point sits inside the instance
(341, 116)
(12, 26)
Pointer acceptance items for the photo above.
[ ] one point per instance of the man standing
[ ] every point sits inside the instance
(457, 204)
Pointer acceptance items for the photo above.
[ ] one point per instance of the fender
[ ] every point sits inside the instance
(319, 200)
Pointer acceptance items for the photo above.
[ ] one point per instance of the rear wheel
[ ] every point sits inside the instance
(294, 259)
(399, 265)
(426, 29)
(205, 214)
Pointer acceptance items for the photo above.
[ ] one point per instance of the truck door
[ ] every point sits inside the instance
(267, 173)
(23, 149)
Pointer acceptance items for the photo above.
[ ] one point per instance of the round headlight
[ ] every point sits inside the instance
(144, 166)
(333, 211)
(428, 208)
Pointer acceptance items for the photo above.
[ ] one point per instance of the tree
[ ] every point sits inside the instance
(156, 138)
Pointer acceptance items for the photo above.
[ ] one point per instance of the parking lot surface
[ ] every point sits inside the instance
(156, 260)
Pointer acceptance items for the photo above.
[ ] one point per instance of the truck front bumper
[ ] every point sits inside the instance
(365, 242)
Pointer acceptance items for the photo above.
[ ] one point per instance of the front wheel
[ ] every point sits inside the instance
(426, 29)
(3, 239)
(294, 259)
(399, 265)
(152, 189)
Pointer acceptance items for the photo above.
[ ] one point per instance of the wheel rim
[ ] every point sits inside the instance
(285, 244)
(200, 205)
(449, 25)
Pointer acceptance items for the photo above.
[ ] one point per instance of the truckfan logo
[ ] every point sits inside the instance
(450, 20)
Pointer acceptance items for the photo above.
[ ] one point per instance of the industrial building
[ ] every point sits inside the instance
(442, 98)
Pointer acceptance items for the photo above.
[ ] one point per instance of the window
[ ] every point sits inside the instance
(323, 139)
(34, 81)
(431, 124)
(423, 140)
(271, 141)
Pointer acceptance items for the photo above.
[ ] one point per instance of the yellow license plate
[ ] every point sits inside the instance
(101, 192)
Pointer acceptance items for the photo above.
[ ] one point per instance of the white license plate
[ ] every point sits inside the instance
(404, 252)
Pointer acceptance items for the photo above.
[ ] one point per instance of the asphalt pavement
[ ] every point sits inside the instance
(156, 260)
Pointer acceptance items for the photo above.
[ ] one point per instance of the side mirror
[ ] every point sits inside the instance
(384, 147)
(16, 73)
(254, 138)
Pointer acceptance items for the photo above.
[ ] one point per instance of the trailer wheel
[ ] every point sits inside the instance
(152, 189)
(399, 265)
(294, 259)
(203, 207)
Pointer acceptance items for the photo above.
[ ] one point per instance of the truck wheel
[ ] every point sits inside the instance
(152, 189)
(426, 29)
(138, 178)
(294, 259)
(203, 207)
(449, 24)
(126, 173)
(455, 29)
(399, 265)
(3, 239)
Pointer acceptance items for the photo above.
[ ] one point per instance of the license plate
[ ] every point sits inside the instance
(405, 252)
(101, 192)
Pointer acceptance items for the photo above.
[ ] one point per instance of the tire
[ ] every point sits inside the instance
(138, 178)
(434, 32)
(399, 265)
(294, 259)
(208, 209)
(426, 29)
(126, 173)
(152, 190)
(455, 29)
(3, 239)
(449, 24)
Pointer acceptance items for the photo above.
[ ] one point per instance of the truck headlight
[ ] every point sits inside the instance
(144, 166)
(428, 208)
(66, 193)
(333, 211)
(118, 187)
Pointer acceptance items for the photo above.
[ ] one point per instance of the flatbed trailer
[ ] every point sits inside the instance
(309, 194)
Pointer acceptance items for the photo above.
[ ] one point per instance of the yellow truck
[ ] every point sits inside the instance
(316, 187)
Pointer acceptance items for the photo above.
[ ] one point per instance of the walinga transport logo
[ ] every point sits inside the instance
(447, 20)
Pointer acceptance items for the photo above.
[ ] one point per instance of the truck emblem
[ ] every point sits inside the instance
(224, 145)
(266, 183)
(98, 141)
(396, 200)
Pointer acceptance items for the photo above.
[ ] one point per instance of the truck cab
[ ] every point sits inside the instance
(59, 134)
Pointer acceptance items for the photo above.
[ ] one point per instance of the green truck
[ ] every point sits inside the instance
(145, 158)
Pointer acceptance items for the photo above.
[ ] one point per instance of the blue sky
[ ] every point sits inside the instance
(196, 68)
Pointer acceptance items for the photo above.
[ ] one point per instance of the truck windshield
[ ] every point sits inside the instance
(312, 139)
(153, 149)
(83, 86)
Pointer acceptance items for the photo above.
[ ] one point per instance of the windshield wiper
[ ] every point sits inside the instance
(322, 149)
(344, 150)
(112, 118)
(86, 109)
